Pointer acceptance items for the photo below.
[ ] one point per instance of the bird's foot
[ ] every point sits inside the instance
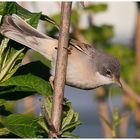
(69, 49)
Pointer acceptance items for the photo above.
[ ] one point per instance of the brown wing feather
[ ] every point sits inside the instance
(85, 48)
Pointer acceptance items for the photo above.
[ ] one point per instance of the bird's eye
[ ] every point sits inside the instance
(108, 73)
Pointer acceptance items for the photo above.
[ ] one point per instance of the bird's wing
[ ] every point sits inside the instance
(85, 48)
(16, 23)
(18, 30)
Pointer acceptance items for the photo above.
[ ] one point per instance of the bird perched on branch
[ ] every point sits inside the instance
(87, 67)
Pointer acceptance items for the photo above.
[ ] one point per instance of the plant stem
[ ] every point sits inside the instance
(130, 92)
(61, 64)
(103, 109)
(113, 133)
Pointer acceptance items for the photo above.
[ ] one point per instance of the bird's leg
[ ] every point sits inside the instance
(51, 80)
(68, 49)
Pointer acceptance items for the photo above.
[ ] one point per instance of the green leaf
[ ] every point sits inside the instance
(10, 8)
(14, 8)
(5, 72)
(116, 118)
(35, 68)
(75, 116)
(2, 7)
(2, 48)
(75, 18)
(42, 123)
(13, 70)
(6, 107)
(117, 122)
(98, 34)
(96, 8)
(71, 126)
(4, 131)
(48, 19)
(15, 92)
(68, 117)
(41, 58)
(48, 105)
(56, 18)
(69, 135)
(10, 59)
(30, 81)
(34, 20)
(24, 126)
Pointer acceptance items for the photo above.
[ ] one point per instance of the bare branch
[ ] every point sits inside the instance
(130, 92)
(61, 64)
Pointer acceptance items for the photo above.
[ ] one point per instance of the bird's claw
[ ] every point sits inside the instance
(69, 49)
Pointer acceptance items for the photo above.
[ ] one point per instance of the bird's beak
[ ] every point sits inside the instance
(117, 82)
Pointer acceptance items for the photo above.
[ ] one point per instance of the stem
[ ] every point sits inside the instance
(130, 92)
(137, 43)
(113, 133)
(124, 122)
(61, 64)
(136, 112)
(103, 109)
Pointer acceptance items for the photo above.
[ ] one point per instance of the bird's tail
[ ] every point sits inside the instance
(18, 30)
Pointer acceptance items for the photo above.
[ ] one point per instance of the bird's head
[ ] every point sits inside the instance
(108, 69)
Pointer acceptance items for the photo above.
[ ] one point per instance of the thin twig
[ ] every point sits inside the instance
(61, 64)
(103, 109)
(124, 122)
(47, 118)
(130, 92)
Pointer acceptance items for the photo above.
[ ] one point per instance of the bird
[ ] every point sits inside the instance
(87, 67)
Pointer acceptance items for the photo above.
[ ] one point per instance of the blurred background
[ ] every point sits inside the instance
(115, 28)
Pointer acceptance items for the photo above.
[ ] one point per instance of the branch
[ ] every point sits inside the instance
(61, 64)
(130, 92)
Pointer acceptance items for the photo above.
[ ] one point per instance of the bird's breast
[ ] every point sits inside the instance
(81, 71)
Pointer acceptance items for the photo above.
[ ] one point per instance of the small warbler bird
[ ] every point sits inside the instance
(87, 67)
